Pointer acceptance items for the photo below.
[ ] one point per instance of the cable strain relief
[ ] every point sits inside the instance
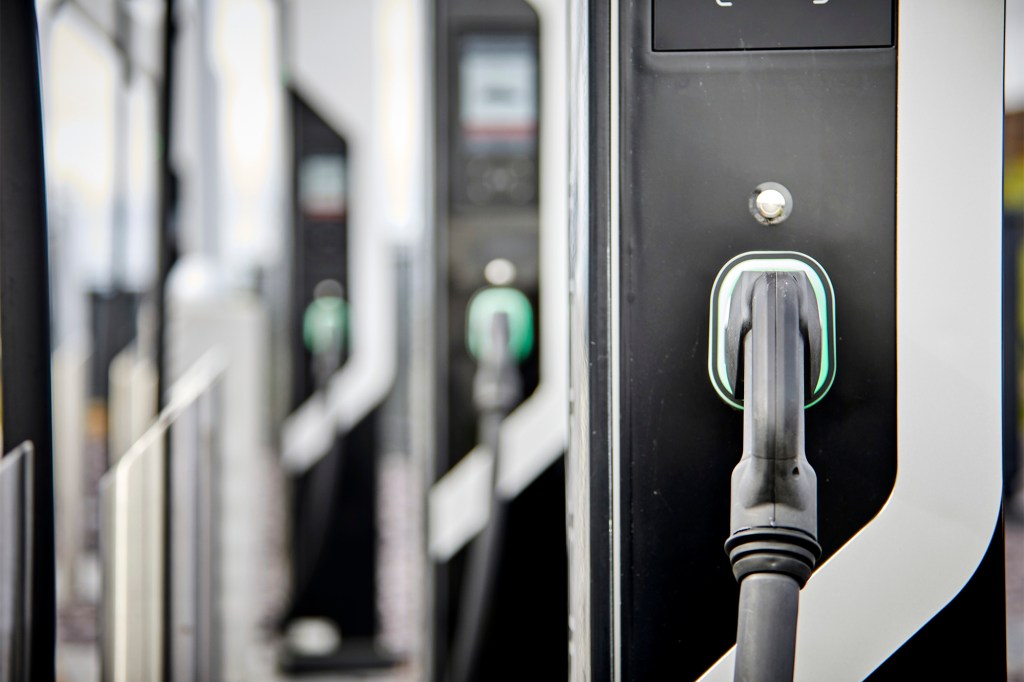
(773, 550)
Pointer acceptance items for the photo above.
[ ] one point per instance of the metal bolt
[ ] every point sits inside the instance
(770, 203)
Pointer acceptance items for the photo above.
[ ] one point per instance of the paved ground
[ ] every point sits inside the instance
(401, 611)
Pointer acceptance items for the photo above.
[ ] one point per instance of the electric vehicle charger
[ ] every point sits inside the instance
(500, 102)
(695, 128)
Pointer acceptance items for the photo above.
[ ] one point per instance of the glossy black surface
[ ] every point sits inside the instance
(319, 230)
(771, 24)
(596, 287)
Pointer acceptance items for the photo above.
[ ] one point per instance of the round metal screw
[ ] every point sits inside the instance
(770, 203)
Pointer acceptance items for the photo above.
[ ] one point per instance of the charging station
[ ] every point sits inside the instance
(342, 71)
(496, 504)
(334, 532)
(785, 345)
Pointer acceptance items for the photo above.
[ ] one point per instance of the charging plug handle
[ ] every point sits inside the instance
(497, 388)
(773, 325)
(497, 384)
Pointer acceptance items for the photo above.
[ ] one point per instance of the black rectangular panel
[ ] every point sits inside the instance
(690, 25)
(320, 237)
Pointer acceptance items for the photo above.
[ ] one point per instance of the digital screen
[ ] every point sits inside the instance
(498, 94)
(322, 187)
(684, 25)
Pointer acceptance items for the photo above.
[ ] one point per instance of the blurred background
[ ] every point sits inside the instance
(235, 191)
(291, 207)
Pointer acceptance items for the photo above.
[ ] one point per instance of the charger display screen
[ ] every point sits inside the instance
(496, 129)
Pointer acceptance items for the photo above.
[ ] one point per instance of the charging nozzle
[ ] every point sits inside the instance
(774, 325)
(772, 353)
(499, 334)
(484, 306)
(325, 331)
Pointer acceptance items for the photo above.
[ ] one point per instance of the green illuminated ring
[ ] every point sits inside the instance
(721, 300)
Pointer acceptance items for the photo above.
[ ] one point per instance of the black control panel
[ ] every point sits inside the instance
(488, 118)
(492, 128)
(319, 240)
(702, 25)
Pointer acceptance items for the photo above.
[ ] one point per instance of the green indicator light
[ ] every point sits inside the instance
(325, 324)
(727, 280)
(492, 301)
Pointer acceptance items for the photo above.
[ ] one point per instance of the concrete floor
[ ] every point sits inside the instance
(401, 610)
